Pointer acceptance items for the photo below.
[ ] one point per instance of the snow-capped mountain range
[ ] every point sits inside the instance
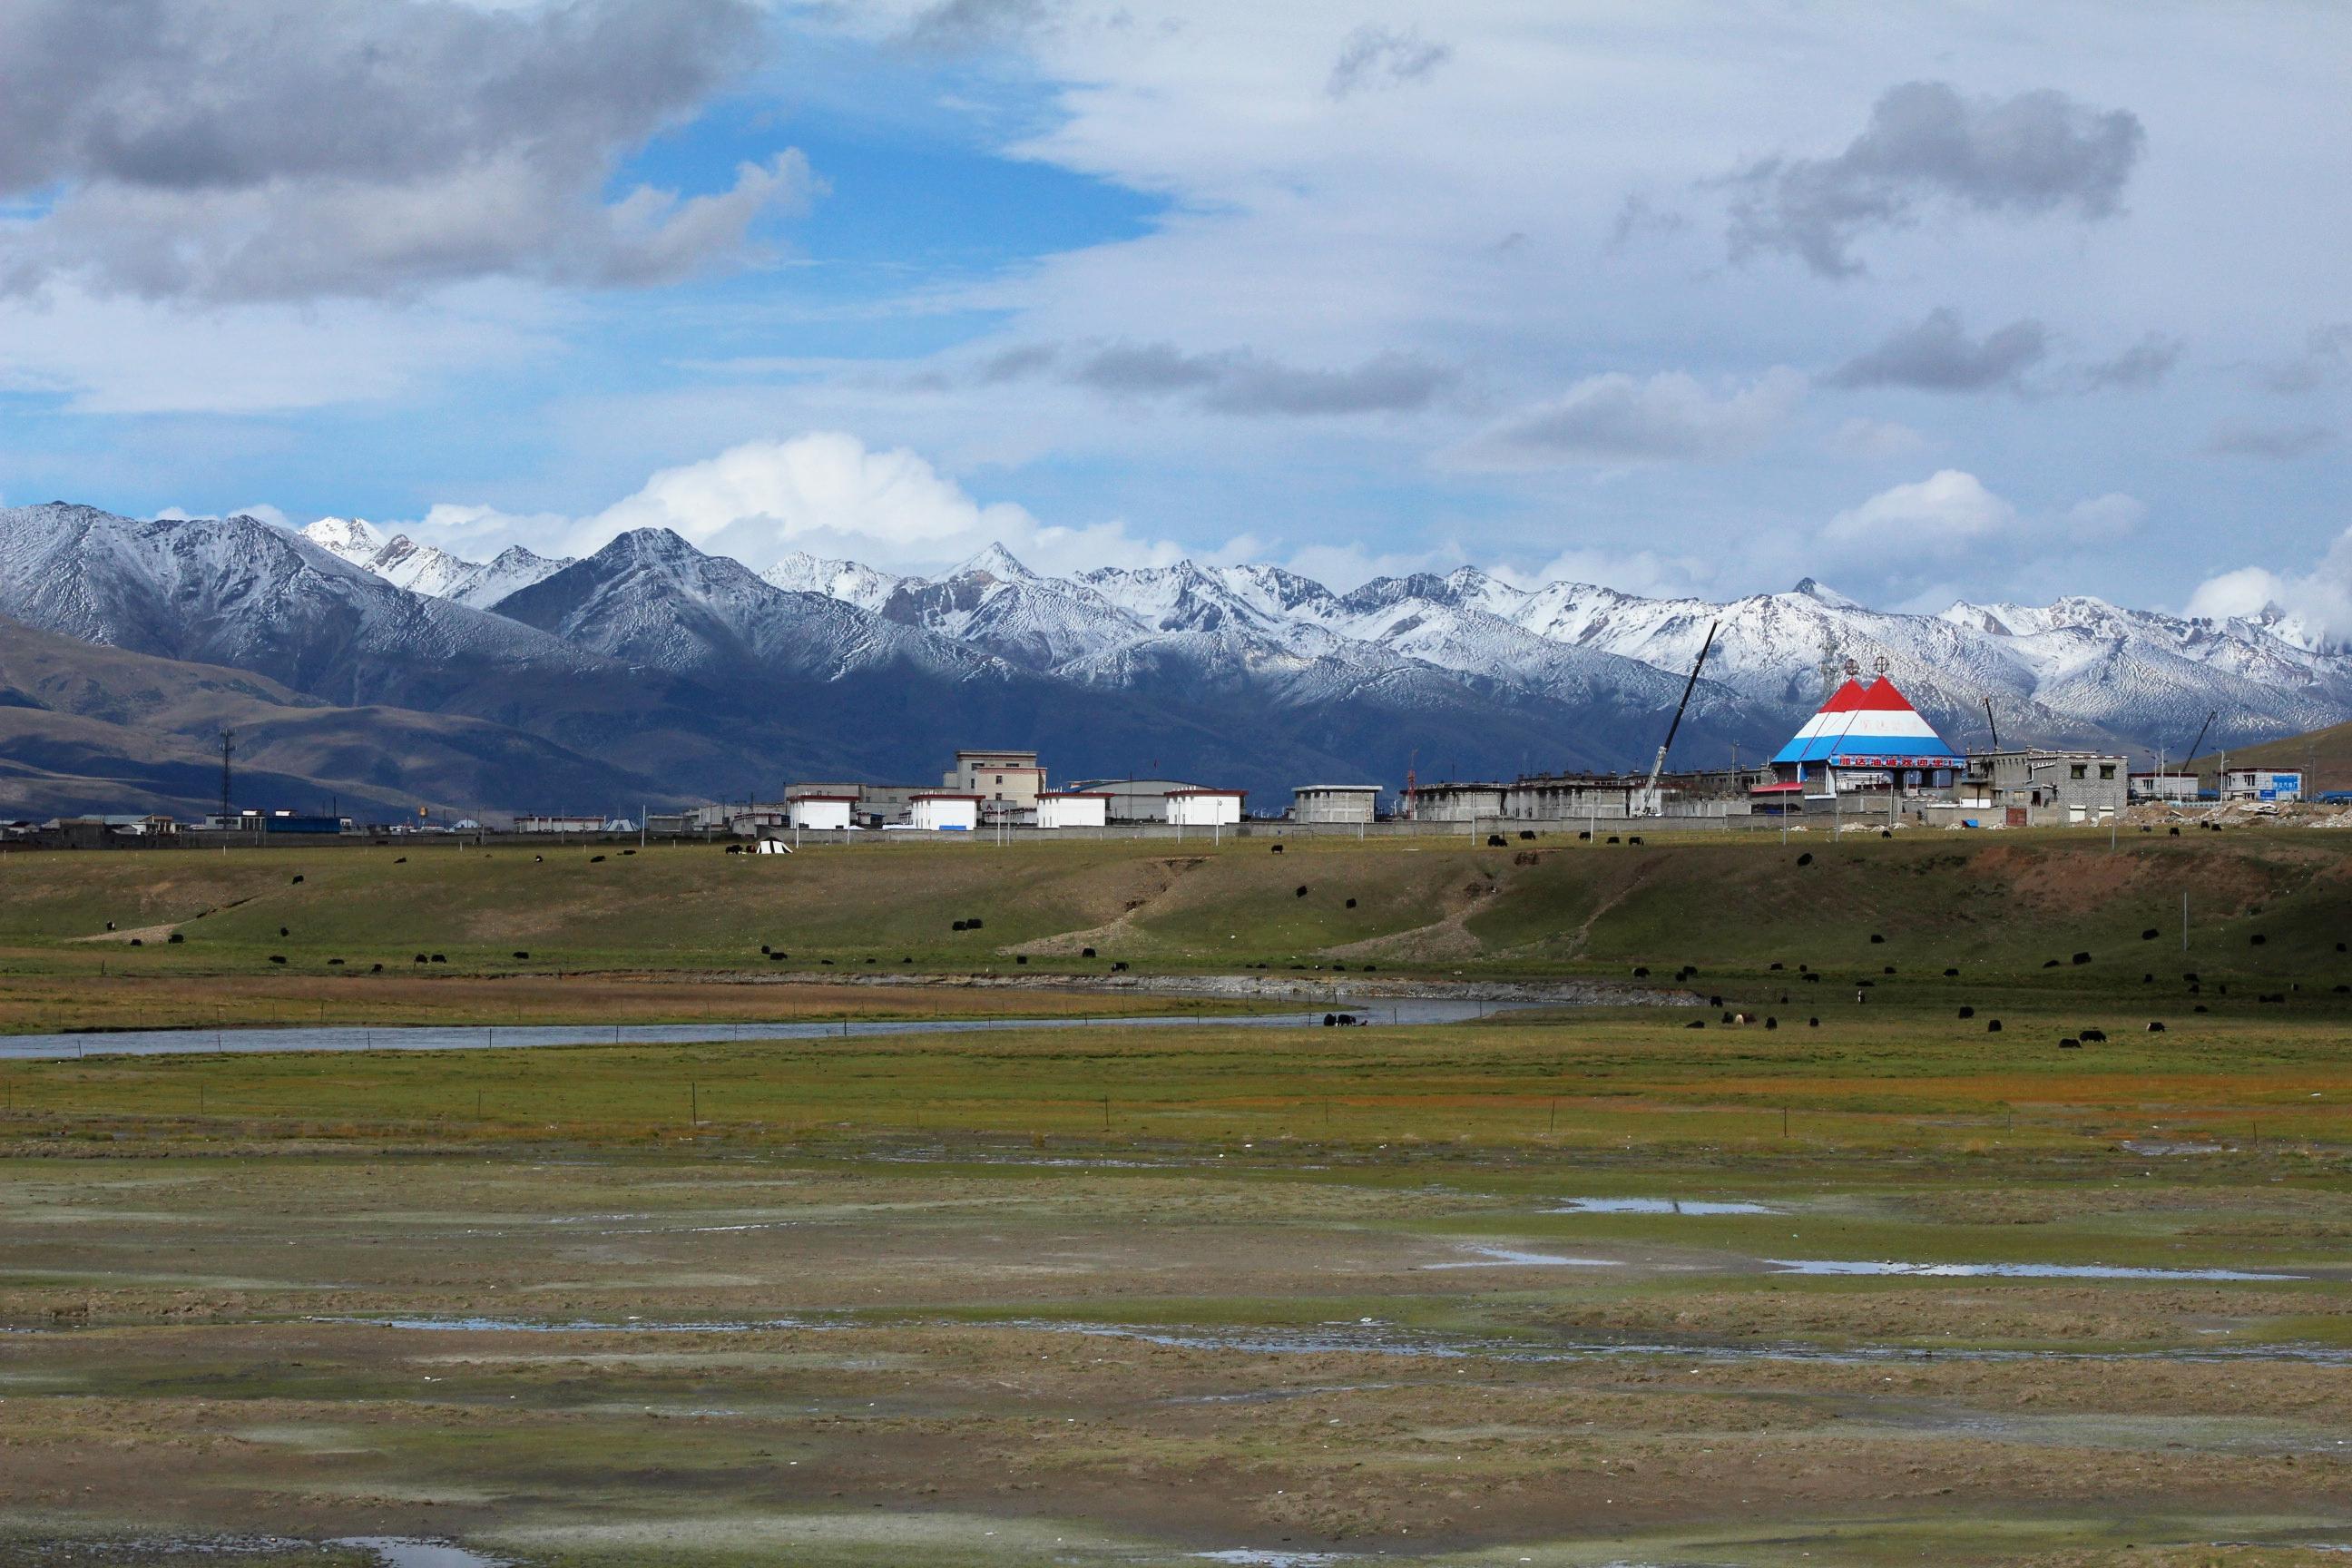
(654, 666)
(427, 569)
(2078, 671)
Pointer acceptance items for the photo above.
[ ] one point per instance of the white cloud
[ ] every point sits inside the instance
(2244, 592)
(825, 492)
(1915, 544)
(1946, 514)
(1340, 567)
(1873, 438)
(2103, 520)
(135, 356)
(262, 510)
(2318, 601)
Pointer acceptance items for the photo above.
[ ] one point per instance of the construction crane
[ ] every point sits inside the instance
(1651, 804)
(2188, 762)
(1992, 724)
(2199, 741)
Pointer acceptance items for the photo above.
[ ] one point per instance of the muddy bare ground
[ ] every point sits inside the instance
(677, 1354)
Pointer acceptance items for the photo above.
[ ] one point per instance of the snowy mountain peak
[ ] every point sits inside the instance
(1811, 589)
(851, 582)
(997, 562)
(1274, 590)
(655, 546)
(349, 537)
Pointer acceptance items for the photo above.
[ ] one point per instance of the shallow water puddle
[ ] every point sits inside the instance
(530, 1326)
(1660, 1205)
(518, 1037)
(401, 1551)
(1371, 1338)
(1509, 1257)
(1830, 1266)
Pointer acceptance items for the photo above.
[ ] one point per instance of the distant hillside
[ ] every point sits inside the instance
(653, 670)
(2325, 754)
(86, 727)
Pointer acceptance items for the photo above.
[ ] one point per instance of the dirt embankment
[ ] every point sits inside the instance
(1312, 987)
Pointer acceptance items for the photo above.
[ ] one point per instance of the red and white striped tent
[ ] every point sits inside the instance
(1871, 728)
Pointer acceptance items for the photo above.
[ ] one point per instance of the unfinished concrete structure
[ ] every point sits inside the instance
(1463, 802)
(2028, 787)
(1336, 805)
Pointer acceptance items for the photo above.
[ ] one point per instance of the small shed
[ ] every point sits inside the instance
(818, 812)
(1348, 804)
(1072, 808)
(1204, 807)
(939, 811)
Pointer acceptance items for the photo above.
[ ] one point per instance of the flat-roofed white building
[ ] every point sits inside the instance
(1204, 807)
(1348, 804)
(1072, 808)
(1455, 802)
(938, 811)
(1007, 782)
(2163, 786)
(551, 822)
(2263, 783)
(1131, 800)
(822, 813)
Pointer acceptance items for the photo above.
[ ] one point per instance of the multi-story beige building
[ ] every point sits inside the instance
(1007, 783)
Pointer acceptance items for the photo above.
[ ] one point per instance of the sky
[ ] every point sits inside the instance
(1995, 301)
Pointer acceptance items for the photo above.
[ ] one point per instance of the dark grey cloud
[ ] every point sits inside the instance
(1375, 57)
(2327, 356)
(1615, 419)
(289, 148)
(1638, 218)
(2145, 363)
(1938, 355)
(1018, 363)
(962, 27)
(1232, 381)
(2032, 155)
(2241, 438)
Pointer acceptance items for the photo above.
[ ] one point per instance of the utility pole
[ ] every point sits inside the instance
(228, 749)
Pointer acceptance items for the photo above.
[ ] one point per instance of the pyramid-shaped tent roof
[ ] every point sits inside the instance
(1871, 726)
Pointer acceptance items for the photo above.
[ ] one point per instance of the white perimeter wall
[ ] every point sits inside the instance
(1203, 810)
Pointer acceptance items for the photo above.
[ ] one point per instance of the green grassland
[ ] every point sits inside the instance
(1101, 1297)
(1993, 904)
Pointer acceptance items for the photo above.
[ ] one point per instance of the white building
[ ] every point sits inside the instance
(1455, 803)
(1346, 803)
(1131, 799)
(2163, 786)
(1204, 807)
(821, 813)
(1008, 783)
(938, 811)
(554, 822)
(1072, 809)
(2263, 783)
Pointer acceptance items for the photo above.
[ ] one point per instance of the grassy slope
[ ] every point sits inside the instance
(2327, 754)
(1994, 906)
